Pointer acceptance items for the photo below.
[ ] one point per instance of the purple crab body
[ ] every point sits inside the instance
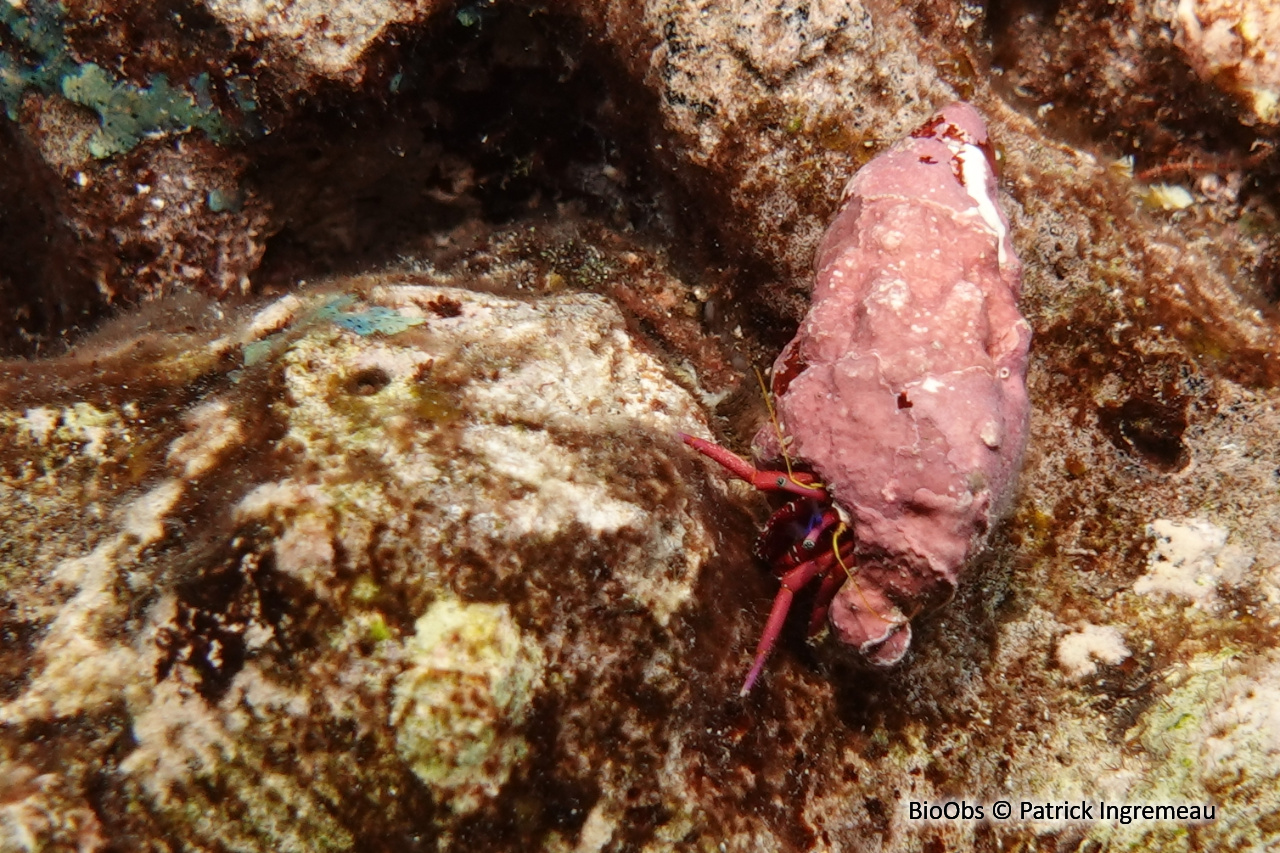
(903, 391)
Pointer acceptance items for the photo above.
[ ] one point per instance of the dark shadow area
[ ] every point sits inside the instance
(1112, 77)
(1070, 54)
(487, 119)
(44, 289)
(484, 118)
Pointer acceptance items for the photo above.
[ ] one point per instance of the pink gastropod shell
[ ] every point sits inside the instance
(901, 403)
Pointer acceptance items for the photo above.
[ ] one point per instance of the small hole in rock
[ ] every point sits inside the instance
(367, 382)
(1149, 429)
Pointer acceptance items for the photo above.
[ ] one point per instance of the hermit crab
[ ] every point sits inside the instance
(901, 404)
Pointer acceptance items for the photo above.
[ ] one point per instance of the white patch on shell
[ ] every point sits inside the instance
(990, 433)
(892, 292)
(974, 175)
(890, 238)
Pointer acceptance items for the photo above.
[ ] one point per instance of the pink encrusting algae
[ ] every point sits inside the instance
(902, 394)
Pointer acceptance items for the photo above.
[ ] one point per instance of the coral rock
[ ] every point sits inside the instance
(1236, 44)
(400, 547)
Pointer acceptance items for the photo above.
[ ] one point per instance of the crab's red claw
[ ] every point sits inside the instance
(731, 462)
(765, 481)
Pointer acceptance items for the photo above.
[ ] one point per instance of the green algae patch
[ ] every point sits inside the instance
(377, 319)
(469, 685)
(38, 58)
(130, 113)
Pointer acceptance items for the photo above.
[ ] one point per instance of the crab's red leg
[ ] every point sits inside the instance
(765, 481)
(831, 583)
(792, 581)
(829, 518)
(822, 601)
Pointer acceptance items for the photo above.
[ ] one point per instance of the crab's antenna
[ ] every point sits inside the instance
(777, 428)
(848, 573)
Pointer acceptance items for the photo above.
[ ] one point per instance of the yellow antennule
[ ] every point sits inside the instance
(848, 573)
(782, 439)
